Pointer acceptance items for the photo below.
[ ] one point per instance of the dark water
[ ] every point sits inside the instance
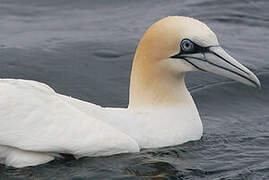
(85, 48)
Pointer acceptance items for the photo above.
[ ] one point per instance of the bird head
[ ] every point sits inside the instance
(175, 45)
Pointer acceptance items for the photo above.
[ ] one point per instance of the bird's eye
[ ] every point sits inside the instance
(187, 45)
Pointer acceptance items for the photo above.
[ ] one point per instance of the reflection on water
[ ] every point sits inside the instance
(84, 49)
(153, 170)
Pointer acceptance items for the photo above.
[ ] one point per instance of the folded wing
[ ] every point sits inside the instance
(35, 118)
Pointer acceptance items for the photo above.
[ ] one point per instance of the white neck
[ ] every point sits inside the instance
(161, 111)
(165, 113)
(160, 92)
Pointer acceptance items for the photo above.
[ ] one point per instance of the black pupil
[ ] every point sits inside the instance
(187, 45)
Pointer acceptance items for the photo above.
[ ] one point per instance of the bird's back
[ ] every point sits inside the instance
(35, 118)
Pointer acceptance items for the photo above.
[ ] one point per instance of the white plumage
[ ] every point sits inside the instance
(37, 124)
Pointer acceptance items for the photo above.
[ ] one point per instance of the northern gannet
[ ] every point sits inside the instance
(37, 124)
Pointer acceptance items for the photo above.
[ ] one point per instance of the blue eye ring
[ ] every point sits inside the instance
(186, 45)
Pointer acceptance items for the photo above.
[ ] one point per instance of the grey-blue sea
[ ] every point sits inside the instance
(85, 48)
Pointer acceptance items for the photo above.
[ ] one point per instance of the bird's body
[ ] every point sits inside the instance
(37, 124)
(36, 119)
(50, 123)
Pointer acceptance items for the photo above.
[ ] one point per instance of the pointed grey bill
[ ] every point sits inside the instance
(217, 61)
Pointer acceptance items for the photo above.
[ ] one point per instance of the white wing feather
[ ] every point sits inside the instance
(35, 118)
